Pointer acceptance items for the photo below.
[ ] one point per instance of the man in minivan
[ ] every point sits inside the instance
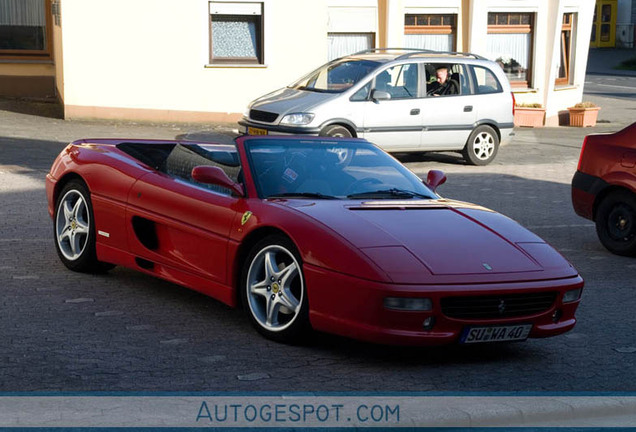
(444, 84)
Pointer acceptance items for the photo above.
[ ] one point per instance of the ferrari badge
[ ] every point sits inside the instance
(246, 216)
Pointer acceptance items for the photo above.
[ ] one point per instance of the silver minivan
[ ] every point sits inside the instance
(402, 100)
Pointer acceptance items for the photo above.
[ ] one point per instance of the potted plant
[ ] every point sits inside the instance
(529, 115)
(583, 114)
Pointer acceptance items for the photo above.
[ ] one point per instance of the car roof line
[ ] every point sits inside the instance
(415, 51)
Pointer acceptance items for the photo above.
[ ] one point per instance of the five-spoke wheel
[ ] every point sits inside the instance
(74, 231)
(273, 289)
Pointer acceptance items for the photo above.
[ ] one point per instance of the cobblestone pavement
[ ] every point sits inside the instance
(124, 331)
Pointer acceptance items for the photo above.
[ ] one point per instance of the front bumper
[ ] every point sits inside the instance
(354, 308)
(277, 129)
(585, 189)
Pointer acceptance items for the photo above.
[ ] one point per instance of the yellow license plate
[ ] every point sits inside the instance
(256, 131)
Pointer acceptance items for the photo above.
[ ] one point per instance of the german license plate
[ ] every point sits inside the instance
(507, 333)
(256, 131)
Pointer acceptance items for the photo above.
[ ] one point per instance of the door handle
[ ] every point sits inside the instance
(468, 108)
(415, 111)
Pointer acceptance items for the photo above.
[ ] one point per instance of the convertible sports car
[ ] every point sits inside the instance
(359, 247)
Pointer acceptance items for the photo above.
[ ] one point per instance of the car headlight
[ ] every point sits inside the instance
(297, 119)
(572, 295)
(246, 113)
(408, 304)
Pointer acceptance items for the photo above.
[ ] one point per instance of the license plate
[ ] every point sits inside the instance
(256, 131)
(508, 333)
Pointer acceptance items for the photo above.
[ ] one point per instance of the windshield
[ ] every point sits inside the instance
(336, 77)
(330, 169)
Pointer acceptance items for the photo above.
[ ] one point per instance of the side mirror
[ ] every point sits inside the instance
(435, 178)
(378, 95)
(216, 176)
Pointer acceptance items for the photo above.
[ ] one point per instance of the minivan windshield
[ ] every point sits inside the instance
(336, 77)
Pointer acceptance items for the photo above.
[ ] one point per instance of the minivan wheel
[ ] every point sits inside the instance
(482, 145)
(337, 131)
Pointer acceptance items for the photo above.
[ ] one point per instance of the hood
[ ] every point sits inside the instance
(289, 100)
(440, 241)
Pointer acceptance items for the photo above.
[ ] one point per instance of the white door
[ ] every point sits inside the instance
(396, 123)
(448, 117)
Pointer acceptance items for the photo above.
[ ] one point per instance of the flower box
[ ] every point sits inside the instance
(529, 117)
(584, 116)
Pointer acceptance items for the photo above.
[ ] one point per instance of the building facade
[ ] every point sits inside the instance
(613, 24)
(204, 60)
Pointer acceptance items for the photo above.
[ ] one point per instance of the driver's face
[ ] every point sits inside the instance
(442, 74)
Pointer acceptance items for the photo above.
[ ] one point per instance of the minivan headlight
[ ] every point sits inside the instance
(296, 119)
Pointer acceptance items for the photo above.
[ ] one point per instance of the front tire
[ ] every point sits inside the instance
(338, 131)
(482, 146)
(273, 290)
(616, 223)
(74, 229)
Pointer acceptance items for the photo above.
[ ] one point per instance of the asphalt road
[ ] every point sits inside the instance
(124, 331)
(615, 86)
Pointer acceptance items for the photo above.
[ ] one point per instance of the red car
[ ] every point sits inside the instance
(604, 188)
(359, 247)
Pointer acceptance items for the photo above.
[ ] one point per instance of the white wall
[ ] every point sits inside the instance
(152, 54)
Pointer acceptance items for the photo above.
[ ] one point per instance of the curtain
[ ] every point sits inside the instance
(28, 13)
(509, 46)
(433, 42)
(234, 36)
(342, 44)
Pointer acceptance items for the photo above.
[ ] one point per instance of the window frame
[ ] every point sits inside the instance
(259, 60)
(565, 52)
(44, 54)
(432, 29)
(371, 35)
(508, 28)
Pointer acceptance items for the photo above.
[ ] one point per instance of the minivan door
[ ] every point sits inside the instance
(448, 111)
(392, 115)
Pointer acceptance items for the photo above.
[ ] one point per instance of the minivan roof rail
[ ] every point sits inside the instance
(466, 54)
(418, 51)
(372, 50)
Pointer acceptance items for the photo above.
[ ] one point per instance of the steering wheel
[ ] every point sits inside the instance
(363, 181)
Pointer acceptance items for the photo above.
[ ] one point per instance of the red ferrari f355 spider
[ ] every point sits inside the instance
(334, 235)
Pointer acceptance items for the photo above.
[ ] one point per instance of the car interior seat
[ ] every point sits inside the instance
(457, 82)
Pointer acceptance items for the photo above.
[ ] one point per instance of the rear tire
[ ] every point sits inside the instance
(482, 146)
(74, 229)
(616, 223)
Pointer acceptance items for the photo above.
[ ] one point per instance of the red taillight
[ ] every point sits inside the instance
(514, 102)
(578, 167)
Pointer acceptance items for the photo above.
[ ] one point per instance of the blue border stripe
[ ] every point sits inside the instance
(316, 394)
